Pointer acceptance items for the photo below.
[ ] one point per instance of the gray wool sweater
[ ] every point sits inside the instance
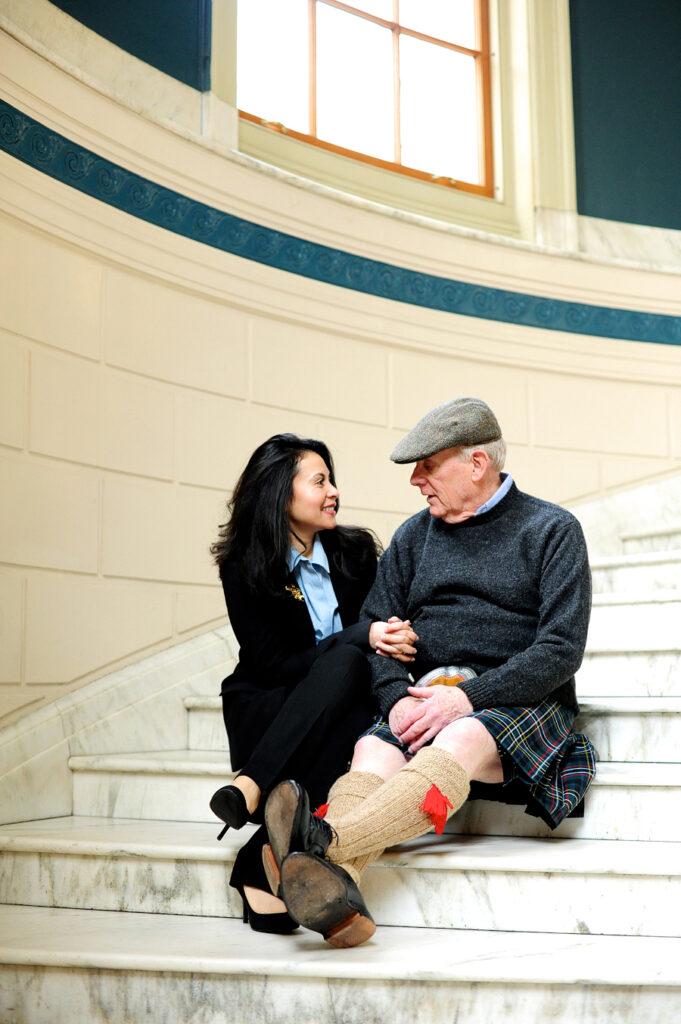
(507, 593)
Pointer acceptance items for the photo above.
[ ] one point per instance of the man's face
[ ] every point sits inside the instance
(448, 485)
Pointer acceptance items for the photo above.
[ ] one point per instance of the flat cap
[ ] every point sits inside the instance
(456, 424)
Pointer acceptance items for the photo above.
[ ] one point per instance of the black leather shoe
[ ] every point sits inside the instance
(229, 803)
(323, 897)
(291, 828)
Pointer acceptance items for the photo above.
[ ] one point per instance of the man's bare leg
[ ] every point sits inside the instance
(373, 763)
(474, 748)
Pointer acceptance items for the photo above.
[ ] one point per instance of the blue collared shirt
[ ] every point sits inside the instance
(501, 492)
(312, 576)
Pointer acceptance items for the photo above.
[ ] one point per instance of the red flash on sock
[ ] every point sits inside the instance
(435, 806)
(321, 811)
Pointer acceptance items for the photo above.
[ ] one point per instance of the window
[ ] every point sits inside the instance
(402, 84)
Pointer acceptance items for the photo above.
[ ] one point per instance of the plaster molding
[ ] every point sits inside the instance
(102, 66)
(553, 140)
(53, 154)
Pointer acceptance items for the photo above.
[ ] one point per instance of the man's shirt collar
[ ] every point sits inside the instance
(501, 492)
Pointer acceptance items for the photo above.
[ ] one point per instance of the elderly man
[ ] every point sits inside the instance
(496, 584)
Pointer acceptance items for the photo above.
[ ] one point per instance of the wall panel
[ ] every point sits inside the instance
(141, 366)
(13, 365)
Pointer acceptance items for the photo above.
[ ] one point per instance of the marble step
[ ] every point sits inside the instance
(627, 801)
(619, 621)
(582, 886)
(635, 573)
(632, 801)
(173, 785)
(667, 538)
(641, 672)
(205, 727)
(633, 728)
(622, 728)
(114, 968)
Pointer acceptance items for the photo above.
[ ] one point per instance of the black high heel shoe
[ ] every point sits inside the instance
(229, 803)
(273, 924)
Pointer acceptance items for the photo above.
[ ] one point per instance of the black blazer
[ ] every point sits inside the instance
(276, 636)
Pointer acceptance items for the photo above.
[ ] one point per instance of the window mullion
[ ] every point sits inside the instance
(312, 68)
(396, 83)
(484, 91)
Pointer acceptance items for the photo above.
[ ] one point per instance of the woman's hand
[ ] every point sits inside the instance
(393, 639)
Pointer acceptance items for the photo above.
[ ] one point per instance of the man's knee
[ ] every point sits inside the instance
(373, 754)
(474, 747)
(463, 730)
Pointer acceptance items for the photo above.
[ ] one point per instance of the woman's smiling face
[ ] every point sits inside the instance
(314, 498)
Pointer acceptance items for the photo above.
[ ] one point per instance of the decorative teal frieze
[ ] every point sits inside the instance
(72, 164)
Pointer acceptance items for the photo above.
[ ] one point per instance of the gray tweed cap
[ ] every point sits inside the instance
(459, 423)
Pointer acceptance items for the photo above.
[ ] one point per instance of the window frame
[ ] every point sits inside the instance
(483, 86)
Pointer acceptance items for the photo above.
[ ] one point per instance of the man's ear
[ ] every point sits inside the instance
(480, 462)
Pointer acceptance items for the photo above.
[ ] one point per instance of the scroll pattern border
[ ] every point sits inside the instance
(38, 146)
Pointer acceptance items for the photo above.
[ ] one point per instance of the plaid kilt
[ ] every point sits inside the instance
(546, 765)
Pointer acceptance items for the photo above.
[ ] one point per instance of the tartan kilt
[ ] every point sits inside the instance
(546, 765)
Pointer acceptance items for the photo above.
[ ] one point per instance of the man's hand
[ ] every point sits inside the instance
(393, 639)
(440, 705)
(403, 714)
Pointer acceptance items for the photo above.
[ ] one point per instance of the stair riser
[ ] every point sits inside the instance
(614, 812)
(156, 797)
(205, 730)
(519, 901)
(630, 675)
(43, 996)
(144, 885)
(637, 578)
(617, 737)
(628, 737)
(653, 542)
(407, 896)
(626, 626)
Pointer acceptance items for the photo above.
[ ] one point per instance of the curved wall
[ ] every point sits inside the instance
(140, 365)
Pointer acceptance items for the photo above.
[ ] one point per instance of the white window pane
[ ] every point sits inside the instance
(438, 110)
(354, 83)
(272, 65)
(453, 20)
(379, 8)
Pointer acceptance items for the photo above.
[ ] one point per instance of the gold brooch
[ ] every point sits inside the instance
(296, 591)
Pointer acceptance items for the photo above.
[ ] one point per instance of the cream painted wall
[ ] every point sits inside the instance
(138, 369)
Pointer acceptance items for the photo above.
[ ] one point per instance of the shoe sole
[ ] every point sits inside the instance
(317, 898)
(281, 811)
(271, 867)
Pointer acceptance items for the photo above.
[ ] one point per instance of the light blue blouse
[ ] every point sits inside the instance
(312, 576)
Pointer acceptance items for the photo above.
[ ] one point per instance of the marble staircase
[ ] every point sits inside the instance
(120, 912)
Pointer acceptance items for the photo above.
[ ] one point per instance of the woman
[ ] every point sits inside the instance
(294, 582)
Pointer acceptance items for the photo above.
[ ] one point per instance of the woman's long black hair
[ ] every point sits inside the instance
(256, 535)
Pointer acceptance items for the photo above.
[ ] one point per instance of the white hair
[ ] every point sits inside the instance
(496, 452)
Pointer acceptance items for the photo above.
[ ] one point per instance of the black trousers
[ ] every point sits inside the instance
(306, 732)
